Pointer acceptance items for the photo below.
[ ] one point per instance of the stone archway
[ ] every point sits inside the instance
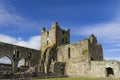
(23, 65)
(48, 59)
(109, 71)
(5, 60)
(6, 63)
(21, 62)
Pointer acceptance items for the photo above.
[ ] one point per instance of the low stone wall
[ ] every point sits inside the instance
(99, 68)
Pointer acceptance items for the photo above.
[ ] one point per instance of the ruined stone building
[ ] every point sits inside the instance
(82, 58)
(59, 57)
(15, 54)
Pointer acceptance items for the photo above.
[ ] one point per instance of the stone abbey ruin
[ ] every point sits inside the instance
(58, 57)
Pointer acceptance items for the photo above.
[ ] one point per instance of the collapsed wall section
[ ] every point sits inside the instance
(95, 49)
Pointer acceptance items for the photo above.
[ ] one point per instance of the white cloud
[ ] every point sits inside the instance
(113, 58)
(33, 42)
(114, 50)
(105, 31)
(9, 16)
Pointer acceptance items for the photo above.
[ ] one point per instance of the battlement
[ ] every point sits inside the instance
(55, 25)
(54, 36)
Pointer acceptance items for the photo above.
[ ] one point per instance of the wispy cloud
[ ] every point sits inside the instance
(9, 16)
(33, 42)
(107, 34)
(105, 31)
(114, 50)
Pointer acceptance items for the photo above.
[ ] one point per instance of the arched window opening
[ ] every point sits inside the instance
(14, 52)
(21, 63)
(6, 64)
(5, 60)
(69, 55)
(30, 55)
(110, 72)
(17, 54)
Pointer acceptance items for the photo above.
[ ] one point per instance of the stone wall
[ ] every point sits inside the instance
(5, 67)
(50, 39)
(16, 53)
(93, 69)
(78, 56)
(95, 49)
(99, 68)
(79, 69)
(59, 68)
(73, 52)
(54, 37)
(82, 58)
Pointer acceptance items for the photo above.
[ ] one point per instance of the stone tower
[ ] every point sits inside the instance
(54, 36)
(50, 39)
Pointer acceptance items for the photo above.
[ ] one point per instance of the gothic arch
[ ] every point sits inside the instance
(8, 56)
(6, 63)
(23, 62)
(23, 65)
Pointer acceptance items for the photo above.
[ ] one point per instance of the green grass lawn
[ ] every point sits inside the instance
(78, 79)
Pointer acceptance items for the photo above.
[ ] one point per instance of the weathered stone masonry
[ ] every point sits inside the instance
(15, 54)
(59, 57)
(82, 58)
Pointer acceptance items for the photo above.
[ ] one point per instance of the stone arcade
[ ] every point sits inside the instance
(15, 54)
(59, 57)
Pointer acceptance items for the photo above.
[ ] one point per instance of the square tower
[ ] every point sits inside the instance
(54, 36)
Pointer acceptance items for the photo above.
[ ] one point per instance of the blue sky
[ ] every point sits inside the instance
(21, 21)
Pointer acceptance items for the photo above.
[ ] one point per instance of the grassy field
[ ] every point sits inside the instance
(78, 79)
